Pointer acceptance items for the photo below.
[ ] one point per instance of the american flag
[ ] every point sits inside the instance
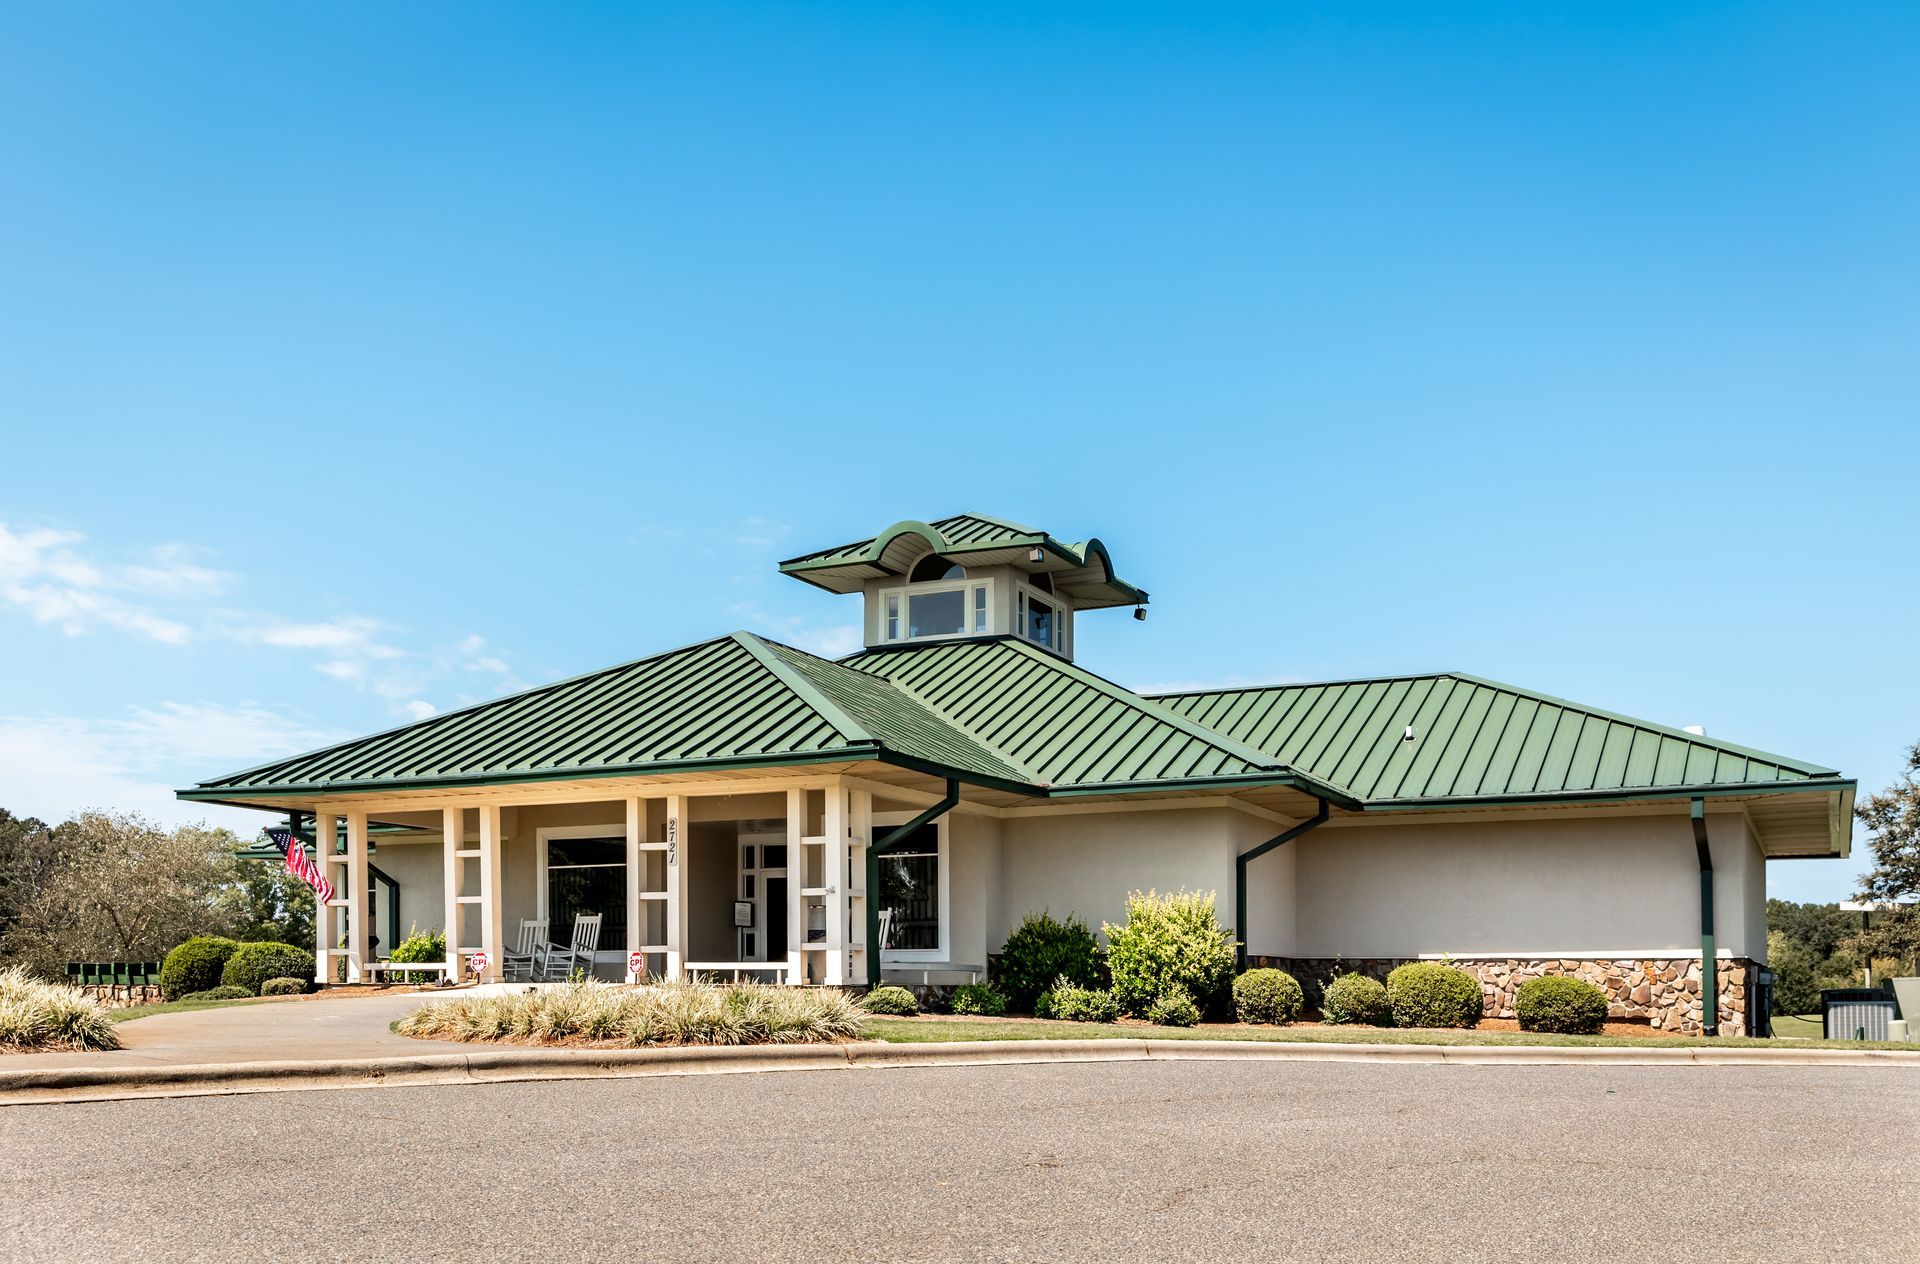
(299, 865)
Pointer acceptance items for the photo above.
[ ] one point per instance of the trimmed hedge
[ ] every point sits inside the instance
(1174, 1008)
(1070, 1002)
(1041, 950)
(1428, 994)
(890, 1000)
(251, 965)
(195, 965)
(979, 998)
(1354, 998)
(284, 987)
(1266, 996)
(1568, 1007)
(1169, 941)
(225, 992)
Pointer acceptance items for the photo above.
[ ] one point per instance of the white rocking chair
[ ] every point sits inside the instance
(521, 963)
(558, 964)
(886, 928)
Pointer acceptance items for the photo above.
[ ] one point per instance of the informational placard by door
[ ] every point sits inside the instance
(637, 964)
(477, 964)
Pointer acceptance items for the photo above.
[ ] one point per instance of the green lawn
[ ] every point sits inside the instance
(176, 1007)
(928, 1031)
(1807, 1027)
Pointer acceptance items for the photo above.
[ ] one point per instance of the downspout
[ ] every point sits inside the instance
(893, 839)
(1240, 874)
(1709, 974)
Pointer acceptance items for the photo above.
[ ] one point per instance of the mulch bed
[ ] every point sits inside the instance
(1626, 1030)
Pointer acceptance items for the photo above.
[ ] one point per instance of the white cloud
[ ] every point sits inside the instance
(43, 574)
(420, 709)
(55, 766)
(831, 642)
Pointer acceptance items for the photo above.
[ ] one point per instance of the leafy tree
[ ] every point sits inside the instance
(29, 852)
(1820, 929)
(265, 903)
(1892, 818)
(119, 887)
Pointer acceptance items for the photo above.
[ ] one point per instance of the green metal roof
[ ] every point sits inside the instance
(1473, 739)
(1083, 569)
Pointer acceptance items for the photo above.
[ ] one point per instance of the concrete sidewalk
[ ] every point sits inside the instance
(269, 1031)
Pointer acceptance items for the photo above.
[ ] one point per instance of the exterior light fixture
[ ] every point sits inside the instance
(1037, 555)
(1140, 613)
(1408, 735)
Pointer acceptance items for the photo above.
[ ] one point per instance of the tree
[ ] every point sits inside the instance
(265, 902)
(1892, 818)
(29, 852)
(121, 888)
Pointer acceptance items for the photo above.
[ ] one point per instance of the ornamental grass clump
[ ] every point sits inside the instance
(663, 1014)
(1566, 1007)
(36, 1016)
(1042, 949)
(1355, 998)
(1169, 941)
(1266, 996)
(1428, 994)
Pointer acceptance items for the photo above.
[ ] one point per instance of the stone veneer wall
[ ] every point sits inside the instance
(123, 995)
(1663, 991)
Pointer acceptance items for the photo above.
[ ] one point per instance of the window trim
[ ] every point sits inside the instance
(882, 823)
(549, 833)
(1022, 594)
(902, 618)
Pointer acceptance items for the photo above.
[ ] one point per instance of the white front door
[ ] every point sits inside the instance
(761, 898)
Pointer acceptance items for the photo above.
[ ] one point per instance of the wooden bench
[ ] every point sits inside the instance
(372, 970)
(776, 968)
(927, 969)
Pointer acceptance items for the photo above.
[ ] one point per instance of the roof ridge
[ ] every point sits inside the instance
(849, 728)
(440, 717)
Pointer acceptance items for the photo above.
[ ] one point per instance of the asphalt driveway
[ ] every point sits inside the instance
(1137, 1160)
(267, 1031)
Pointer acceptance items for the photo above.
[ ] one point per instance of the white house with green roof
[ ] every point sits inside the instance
(742, 806)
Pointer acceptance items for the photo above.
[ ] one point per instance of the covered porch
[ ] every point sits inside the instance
(759, 877)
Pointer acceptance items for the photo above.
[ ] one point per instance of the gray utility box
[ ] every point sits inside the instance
(1855, 1013)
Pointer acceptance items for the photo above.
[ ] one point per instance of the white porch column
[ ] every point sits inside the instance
(834, 879)
(796, 879)
(676, 886)
(326, 925)
(452, 839)
(635, 818)
(356, 896)
(490, 889)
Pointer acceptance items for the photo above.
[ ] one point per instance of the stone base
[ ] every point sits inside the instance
(1662, 991)
(124, 995)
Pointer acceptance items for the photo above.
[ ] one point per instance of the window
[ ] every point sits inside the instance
(1038, 619)
(934, 568)
(910, 886)
(587, 875)
(948, 608)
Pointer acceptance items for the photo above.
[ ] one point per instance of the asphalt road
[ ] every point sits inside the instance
(1147, 1160)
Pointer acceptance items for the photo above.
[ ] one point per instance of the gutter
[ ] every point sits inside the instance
(894, 838)
(1709, 967)
(1240, 874)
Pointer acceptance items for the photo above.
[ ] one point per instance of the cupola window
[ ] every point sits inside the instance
(933, 568)
(939, 601)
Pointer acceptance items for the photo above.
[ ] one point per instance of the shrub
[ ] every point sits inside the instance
(1354, 998)
(665, 1014)
(1174, 1008)
(890, 1000)
(1075, 1004)
(979, 998)
(1042, 949)
(1428, 994)
(225, 992)
(1266, 996)
(284, 987)
(418, 946)
(195, 965)
(1570, 1007)
(1169, 941)
(253, 964)
(36, 1015)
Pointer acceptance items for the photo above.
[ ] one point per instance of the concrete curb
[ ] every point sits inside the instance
(30, 1085)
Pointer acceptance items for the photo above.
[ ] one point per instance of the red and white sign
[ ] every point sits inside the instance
(637, 964)
(477, 963)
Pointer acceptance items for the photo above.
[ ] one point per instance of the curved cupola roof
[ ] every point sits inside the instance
(1083, 570)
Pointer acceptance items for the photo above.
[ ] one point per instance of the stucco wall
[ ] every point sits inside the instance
(1085, 864)
(1622, 886)
(974, 902)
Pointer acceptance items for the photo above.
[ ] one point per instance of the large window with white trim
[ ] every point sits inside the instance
(946, 608)
(913, 877)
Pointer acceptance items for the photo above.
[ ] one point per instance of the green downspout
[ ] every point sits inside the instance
(893, 839)
(1240, 874)
(1709, 967)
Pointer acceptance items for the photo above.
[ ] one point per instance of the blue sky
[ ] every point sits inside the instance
(362, 360)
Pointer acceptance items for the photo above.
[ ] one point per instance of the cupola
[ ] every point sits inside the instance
(969, 576)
